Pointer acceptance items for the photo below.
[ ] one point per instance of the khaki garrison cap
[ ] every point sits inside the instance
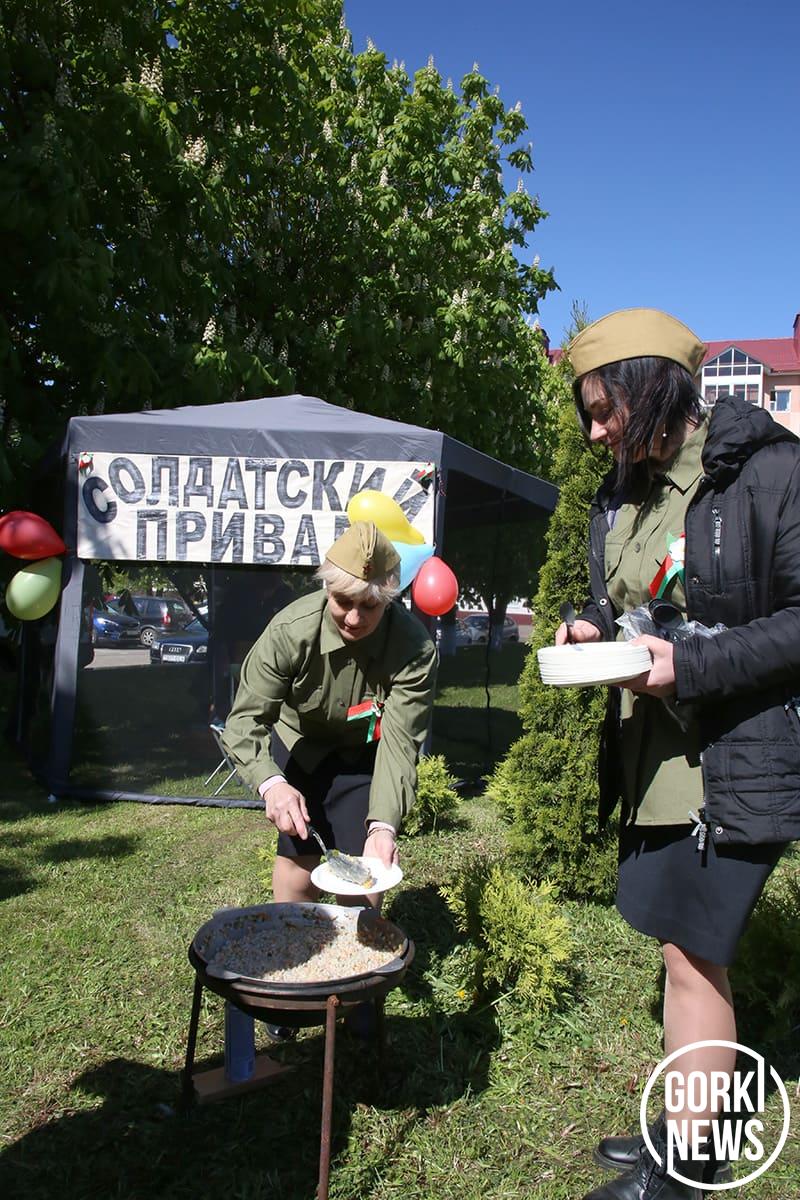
(634, 333)
(364, 552)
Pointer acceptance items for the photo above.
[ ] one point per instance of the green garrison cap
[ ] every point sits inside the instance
(364, 552)
(635, 333)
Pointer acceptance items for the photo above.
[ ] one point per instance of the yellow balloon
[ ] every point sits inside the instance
(34, 590)
(387, 514)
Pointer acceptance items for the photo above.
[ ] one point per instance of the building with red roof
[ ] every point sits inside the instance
(765, 371)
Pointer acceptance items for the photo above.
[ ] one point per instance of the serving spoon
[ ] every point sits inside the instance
(344, 866)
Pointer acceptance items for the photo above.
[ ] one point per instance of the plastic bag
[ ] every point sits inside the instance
(662, 619)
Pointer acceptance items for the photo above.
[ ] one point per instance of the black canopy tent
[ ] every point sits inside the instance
(468, 487)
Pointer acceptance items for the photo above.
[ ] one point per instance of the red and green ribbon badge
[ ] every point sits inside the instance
(671, 568)
(371, 709)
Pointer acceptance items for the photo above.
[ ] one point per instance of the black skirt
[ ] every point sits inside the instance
(699, 900)
(337, 797)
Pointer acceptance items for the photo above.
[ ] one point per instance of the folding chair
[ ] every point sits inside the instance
(217, 728)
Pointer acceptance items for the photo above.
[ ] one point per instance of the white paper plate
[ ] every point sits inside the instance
(592, 663)
(385, 878)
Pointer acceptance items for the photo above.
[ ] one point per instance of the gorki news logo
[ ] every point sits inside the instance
(739, 1133)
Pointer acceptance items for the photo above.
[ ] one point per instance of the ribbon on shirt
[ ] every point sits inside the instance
(671, 568)
(372, 709)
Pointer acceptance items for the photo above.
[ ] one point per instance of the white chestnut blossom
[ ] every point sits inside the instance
(195, 151)
(151, 77)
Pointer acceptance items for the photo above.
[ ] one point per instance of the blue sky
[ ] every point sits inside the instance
(666, 142)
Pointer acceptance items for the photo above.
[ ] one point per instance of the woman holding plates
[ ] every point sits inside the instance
(702, 750)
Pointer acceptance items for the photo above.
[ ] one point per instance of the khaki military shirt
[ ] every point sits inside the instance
(660, 754)
(301, 678)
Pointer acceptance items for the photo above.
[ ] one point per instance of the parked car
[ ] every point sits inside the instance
(478, 628)
(461, 635)
(112, 628)
(156, 614)
(188, 645)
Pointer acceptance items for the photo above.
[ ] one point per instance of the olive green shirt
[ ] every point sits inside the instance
(660, 753)
(301, 677)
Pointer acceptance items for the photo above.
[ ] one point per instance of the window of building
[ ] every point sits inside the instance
(734, 364)
(780, 400)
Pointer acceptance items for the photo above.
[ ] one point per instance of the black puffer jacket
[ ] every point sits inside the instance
(742, 569)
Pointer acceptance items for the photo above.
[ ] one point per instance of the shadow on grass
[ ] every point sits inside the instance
(435, 934)
(106, 847)
(14, 882)
(136, 1142)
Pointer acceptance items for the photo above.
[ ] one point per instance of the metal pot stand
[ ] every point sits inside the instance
(296, 1005)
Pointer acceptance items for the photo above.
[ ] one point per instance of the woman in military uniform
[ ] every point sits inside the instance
(702, 751)
(332, 710)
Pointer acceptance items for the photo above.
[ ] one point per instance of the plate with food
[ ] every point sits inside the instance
(349, 875)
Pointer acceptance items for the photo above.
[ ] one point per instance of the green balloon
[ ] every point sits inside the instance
(34, 590)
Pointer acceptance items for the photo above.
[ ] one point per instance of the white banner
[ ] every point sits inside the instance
(215, 509)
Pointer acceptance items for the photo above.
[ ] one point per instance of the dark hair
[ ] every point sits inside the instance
(659, 395)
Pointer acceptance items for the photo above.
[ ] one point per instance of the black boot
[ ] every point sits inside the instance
(648, 1180)
(622, 1153)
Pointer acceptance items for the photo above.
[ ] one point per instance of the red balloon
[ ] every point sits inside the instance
(435, 588)
(26, 535)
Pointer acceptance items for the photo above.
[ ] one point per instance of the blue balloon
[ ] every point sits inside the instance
(411, 559)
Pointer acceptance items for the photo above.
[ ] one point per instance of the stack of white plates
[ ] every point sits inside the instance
(590, 663)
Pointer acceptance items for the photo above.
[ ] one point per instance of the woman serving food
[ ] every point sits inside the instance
(332, 710)
(703, 750)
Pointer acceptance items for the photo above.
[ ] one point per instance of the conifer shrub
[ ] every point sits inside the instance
(437, 797)
(520, 941)
(546, 786)
(266, 857)
(766, 975)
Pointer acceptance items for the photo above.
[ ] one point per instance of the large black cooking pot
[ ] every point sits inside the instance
(296, 1004)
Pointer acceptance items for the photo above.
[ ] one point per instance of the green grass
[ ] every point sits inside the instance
(97, 906)
(100, 904)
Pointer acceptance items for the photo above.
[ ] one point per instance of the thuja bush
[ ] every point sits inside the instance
(766, 975)
(437, 797)
(520, 940)
(546, 786)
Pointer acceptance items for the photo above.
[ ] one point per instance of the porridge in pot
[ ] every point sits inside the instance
(299, 946)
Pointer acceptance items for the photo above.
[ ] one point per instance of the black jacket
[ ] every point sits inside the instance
(742, 569)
